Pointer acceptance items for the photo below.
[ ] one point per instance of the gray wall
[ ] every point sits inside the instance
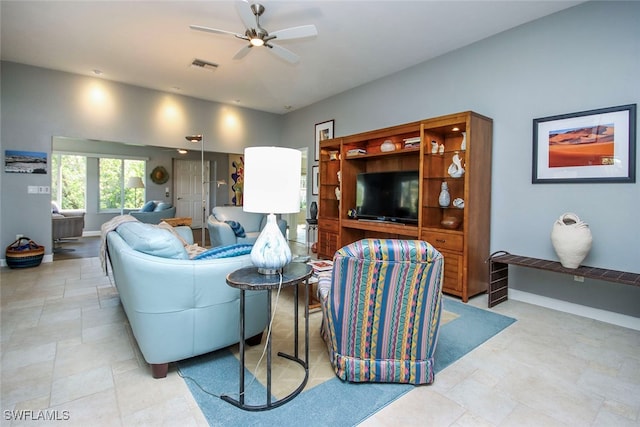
(584, 58)
(39, 104)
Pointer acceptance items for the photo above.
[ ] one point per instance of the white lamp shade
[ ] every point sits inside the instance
(272, 180)
(135, 182)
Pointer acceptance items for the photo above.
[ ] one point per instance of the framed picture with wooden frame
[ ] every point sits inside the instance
(586, 147)
(324, 131)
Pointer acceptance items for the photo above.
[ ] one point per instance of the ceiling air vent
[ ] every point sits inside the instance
(199, 63)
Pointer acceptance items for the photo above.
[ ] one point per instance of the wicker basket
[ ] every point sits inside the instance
(24, 253)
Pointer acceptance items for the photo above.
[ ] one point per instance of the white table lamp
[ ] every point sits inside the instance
(271, 186)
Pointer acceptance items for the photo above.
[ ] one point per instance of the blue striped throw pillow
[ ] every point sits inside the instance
(225, 251)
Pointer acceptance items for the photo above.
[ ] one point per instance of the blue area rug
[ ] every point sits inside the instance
(333, 402)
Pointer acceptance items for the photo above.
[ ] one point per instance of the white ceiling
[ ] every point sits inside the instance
(149, 43)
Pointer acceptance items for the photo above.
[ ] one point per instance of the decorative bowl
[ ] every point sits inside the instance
(450, 222)
(387, 146)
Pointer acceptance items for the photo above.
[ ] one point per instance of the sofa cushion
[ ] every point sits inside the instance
(172, 230)
(225, 252)
(237, 228)
(152, 240)
(162, 206)
(148, 207)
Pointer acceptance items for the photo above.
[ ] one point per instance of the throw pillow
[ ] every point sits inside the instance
(237, 228)
(162, 206)
(148, 207)
(225, 251)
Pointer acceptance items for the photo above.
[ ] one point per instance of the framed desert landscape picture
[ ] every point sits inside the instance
(589, 146)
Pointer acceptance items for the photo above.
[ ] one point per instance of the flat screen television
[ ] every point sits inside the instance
(388, 196)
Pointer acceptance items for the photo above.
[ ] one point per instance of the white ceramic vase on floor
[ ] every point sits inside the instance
(571, 239)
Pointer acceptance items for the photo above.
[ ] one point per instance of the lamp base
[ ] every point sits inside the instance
(270, 252)
(269, 271)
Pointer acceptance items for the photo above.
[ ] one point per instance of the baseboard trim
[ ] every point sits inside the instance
(577, 309)
(90, 233)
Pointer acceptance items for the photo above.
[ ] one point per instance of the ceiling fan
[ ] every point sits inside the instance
(258, 36)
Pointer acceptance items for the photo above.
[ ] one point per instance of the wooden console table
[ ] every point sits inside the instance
(499, 273)
(174, 222)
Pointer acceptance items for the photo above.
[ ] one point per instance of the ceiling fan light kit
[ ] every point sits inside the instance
(258, 36)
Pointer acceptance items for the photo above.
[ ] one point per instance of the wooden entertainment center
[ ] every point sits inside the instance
(460, 233)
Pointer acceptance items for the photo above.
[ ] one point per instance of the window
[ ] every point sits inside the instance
(114, 174)
(68, 180)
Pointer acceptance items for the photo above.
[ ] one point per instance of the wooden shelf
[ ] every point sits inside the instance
(400, 152)
(499, 273)
(382, 227)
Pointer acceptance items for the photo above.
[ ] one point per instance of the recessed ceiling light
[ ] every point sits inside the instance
(182, 151)
(97, 72)
(456, 129)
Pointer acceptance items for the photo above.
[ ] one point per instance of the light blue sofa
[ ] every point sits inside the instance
(222, 234)
(159, 211)
(178, 308)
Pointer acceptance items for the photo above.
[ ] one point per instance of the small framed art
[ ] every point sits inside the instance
(324, 131)
(588, 146)
(19, 161)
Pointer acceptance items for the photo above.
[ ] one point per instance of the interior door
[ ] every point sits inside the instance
(188, 191)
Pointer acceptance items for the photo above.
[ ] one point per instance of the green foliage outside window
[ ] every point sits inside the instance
(114, 173)
(68, 183)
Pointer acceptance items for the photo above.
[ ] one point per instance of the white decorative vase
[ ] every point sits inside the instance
(271, 250)
(455, 169)
(571, 239)
(434, 147)
(445, 198)
(463, 144)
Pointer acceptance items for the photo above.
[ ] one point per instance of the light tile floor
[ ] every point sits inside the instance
(66, 347)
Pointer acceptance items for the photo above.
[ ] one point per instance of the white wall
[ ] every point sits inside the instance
(584, 58)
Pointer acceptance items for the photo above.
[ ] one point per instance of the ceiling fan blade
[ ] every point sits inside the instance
(295, 32)
(246, 14)
(213, 30)
(243, 52)
(283, 53)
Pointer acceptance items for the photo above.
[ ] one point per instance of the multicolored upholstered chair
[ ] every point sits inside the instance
(381, 310)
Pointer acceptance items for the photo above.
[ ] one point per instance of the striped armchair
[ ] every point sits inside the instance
(381, 310)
